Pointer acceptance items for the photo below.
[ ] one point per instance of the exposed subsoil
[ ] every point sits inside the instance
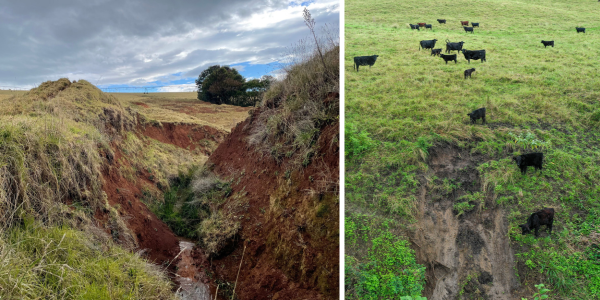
(289, 252)
(466, 257)
(285, 256)
(141, 104)
(148, 233)
(144, 231)
(186, 136)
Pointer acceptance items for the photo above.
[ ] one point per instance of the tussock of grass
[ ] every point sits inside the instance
(216, 232)
(537, 100)
(293, 110)
(61, 263)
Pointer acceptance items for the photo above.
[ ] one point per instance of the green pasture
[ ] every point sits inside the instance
(537, 99)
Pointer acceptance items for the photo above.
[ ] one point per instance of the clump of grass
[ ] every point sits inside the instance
(217, 232)
(63, 263)
(294, 109)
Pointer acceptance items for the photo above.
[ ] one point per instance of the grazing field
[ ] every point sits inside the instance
(183, 107)
(5, 94)
(419, 174)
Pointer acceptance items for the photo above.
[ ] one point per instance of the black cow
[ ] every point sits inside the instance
(580, 29)
(548, 43)
(477, 114)
(414, 27)
(474, 55)
(467, 29)
(474, 24)
(469, 72)
(537, 219)
(451, 57)
(428, 26)
(529, 159)
(453, 46)
(427, 44)
(437, 52)
(443, 21)
(364, 61)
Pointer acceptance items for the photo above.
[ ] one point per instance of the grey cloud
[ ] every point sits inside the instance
(44, 40)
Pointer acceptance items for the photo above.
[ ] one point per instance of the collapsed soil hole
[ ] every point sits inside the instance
(467, 256)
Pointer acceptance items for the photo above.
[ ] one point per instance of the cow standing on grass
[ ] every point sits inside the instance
(454, 46)
(437, 52)
(477, 114)
(530, 159)
(548, 43)
(364, 61)
(414, 27)
(443, 21)
(464, 23)
(474, 55)
(537, 219)
(580, 29)
(469, 72)
(450, 57)
(427, 44)
(468, 29)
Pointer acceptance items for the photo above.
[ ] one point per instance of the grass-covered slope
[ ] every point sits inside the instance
(411, 105)
(55, 142)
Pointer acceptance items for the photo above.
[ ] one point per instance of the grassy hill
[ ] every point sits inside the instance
(413, 158)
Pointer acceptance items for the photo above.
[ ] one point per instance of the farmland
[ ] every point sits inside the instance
(441, 197)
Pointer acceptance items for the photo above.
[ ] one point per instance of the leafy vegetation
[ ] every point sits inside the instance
(389, 268)
(225, 85)
(541, 294)
(536, 100)
(191, 208)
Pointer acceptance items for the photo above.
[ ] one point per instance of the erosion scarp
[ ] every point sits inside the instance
(468, 256)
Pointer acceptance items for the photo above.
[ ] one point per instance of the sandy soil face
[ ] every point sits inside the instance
(466, 256)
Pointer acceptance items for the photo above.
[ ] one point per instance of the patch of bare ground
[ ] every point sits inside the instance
(467, 256)
(186, 136)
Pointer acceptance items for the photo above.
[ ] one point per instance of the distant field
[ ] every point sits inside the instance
(411, 151)
(183, 108)
(4, 94)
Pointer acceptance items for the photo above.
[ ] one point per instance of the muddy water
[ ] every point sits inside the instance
(468, 255)
(188, 275)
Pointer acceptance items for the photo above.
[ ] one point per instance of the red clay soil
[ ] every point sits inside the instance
(141, 104)
(150, 232)
(263, 274)
(187, 136)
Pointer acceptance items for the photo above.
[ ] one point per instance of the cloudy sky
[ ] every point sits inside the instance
(125, 43)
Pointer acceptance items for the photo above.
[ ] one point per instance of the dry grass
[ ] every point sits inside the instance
(183, 108)
(60, 263)
(293, 110)
(53, 140)
(50, 143)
